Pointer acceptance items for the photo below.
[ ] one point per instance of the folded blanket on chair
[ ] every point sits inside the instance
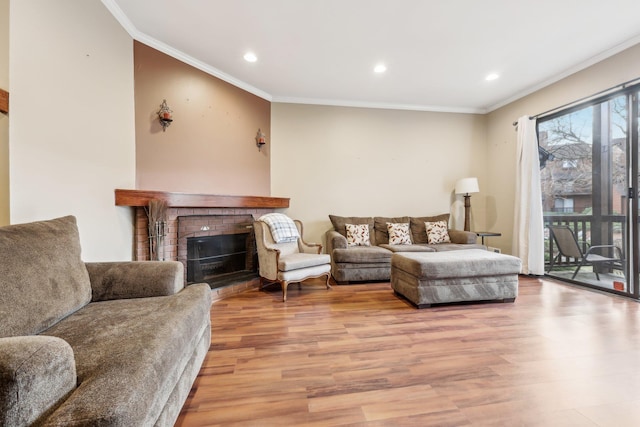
(283, 229)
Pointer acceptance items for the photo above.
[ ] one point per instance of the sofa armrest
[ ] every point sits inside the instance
(463, 237)
(36, 374)
(335, 240)
(135, 279)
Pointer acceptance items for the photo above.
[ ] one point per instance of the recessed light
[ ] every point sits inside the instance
(492, 76)
(250, 57)
(380, 68)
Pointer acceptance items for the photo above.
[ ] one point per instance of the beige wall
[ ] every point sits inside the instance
(210, 147)
(372, 162)
(501, 135)
(72, 120)
(4, 118)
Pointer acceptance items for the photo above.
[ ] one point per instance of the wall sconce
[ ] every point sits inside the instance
(164, 115)
(260, 140)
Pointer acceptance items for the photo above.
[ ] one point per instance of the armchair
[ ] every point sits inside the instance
(291, 261)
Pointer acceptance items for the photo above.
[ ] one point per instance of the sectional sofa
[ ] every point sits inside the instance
(372, 262)
(94, 344)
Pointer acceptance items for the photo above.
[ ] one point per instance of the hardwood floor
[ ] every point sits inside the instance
(357, 355)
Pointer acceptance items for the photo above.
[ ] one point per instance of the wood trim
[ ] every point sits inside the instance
(4, 101)
(187, 200)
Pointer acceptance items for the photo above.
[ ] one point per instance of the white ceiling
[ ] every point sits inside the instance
(437, 52)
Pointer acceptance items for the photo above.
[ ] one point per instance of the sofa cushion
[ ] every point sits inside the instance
(339, 224)
(408, 248)
(399, 233)
(42, 277)
(460, 264)
(358, 235)
(418, 229)
(129, 364)
(362, 254)
(380, 226)
(437, 232)
(302, 260)
(443, 247)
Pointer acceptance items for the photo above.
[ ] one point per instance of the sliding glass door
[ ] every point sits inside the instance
(588, 155)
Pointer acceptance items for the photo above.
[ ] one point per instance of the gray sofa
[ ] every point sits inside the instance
(372, 263)
(93, 344)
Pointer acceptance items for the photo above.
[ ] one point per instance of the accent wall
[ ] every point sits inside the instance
(210, 146)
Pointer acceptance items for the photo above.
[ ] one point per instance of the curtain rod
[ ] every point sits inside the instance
(602, 92)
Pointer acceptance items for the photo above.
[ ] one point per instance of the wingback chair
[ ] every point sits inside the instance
(288, 262)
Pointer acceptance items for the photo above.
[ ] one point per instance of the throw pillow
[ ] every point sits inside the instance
(380, 229)
(358, 235)
(399, 233)
(418, 230)
(339, 222)
(437, 232)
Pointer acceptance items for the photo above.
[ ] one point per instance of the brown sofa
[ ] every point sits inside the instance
(373, 263)
(93, 344)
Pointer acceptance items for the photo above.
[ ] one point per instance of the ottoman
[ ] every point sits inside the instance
(444, 277)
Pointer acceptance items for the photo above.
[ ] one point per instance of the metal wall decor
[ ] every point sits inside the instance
(165, 115)
(260, 140)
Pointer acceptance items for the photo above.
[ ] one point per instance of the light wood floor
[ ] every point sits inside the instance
(357, 355)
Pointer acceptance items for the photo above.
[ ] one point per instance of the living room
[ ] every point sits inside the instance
(83, 70)
(82, 123)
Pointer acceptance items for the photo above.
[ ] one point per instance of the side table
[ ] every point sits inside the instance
(483, 234)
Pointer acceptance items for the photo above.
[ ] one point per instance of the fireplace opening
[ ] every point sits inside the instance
(221, 260)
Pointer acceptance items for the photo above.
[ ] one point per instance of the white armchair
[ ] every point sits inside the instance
(289, 262)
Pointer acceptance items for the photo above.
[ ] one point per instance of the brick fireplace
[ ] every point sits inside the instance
(196, 215)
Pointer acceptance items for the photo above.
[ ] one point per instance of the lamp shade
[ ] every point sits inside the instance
(467, 186)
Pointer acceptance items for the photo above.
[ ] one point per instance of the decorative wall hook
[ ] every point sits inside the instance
(260, 140)
(164, 115)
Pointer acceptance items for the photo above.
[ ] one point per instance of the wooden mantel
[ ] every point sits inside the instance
(187, 200)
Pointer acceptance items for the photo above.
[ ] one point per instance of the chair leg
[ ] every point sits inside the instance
(328, 280)
(284, 285)
(553, 261)
(578, 269)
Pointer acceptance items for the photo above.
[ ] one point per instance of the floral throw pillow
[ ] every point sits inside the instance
(437, 232)
(399, 233)
(358, 235)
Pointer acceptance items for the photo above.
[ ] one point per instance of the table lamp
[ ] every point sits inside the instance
(467, 186)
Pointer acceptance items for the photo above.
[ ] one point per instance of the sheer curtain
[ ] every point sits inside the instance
(528, 226)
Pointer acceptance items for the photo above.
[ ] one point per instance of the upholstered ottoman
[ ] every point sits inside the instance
(443, 277)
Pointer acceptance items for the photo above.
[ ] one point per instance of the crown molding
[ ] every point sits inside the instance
(120, 16)
(583, 65)
(377, 105)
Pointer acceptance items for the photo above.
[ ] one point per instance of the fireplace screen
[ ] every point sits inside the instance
(219, 260)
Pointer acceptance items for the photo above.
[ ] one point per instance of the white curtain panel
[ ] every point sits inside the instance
(528, 231)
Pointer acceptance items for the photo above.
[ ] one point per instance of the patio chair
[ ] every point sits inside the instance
(568, 247)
